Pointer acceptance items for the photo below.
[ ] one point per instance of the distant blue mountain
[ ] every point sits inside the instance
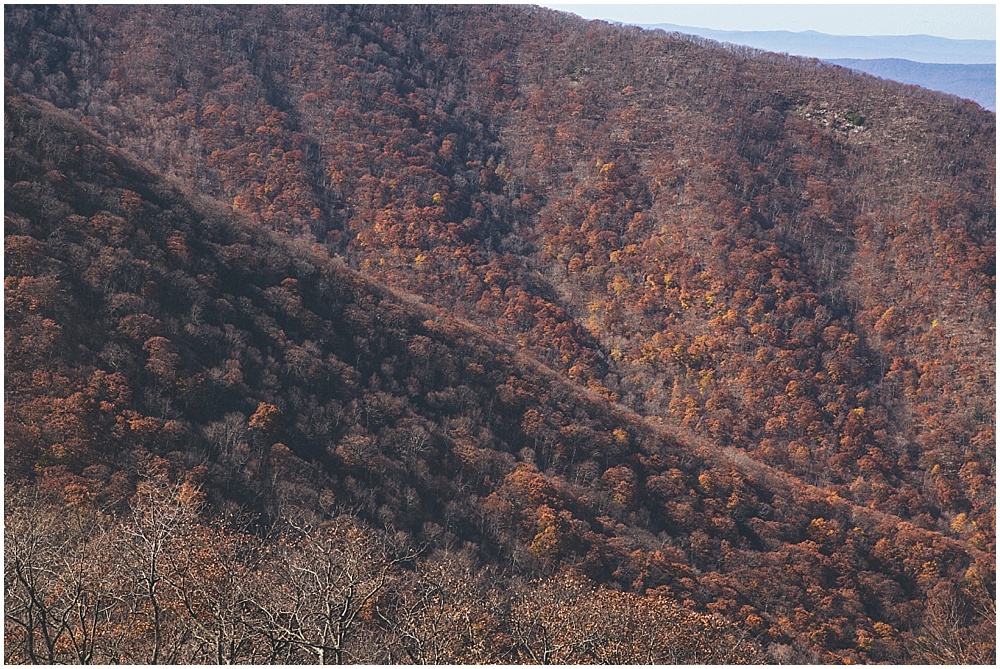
(918, 48)
(974, 82)
(965, 68)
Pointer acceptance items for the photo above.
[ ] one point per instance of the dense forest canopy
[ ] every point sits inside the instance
(562, 311)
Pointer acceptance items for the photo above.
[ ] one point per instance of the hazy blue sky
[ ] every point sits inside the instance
(965, 21)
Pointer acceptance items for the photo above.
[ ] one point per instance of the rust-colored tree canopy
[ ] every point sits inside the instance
(433, 334)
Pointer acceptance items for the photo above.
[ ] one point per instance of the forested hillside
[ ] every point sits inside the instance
(708, 329)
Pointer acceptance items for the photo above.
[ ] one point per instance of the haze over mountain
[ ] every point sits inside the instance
(974, 82)
(813, 44)
(531, 311)
(966, 68)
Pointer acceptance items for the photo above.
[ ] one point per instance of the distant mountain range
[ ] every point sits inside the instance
(965, 68)
(976, 82)
(919, 48)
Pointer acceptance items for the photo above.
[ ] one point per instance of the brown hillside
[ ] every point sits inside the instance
(788, 266)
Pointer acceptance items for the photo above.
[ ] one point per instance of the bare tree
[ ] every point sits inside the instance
(447, 611)
(543, 620)
(218, 581)
(324, 583)
(59, 602)
(163, 518)
(946, 634)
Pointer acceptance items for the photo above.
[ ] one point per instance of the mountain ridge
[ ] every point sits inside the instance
(633, 443)
(815, 44)
(974, 82)
(744, 262)
(956, 67)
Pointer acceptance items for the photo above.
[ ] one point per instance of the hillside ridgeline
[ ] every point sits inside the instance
(764, 288)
